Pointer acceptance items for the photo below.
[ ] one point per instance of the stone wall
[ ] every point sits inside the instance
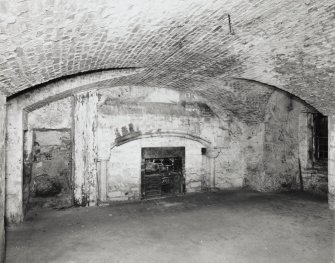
(253, 154)
(314, 173)
(144, 108)
(17, 109)
(331, 162)
(230, 162)
(183, 45)
(281, 143)
(124, 166)
(315, 179)
(85, 148)
(47, 180)
(110, 126)
(279, 150)
(2, 175)
(51, 181)
(55, 115)
(154, 117)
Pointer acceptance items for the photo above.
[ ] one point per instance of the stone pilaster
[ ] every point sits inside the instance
(212, 153)
(14, 164)
(85, 149)
(102, 182)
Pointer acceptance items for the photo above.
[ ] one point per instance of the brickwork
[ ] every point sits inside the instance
(182, 45)
(288, 44)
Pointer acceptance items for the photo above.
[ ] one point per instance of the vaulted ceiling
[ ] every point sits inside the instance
(181, 44)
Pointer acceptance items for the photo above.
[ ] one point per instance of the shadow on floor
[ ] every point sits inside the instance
(226, 226)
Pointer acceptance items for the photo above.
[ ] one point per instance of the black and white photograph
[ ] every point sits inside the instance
(167, 131)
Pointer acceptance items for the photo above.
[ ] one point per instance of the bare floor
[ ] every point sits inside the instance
(230, 227)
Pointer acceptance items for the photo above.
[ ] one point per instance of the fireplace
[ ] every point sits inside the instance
(163, 170)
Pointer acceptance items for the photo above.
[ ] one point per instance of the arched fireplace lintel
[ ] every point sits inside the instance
(159, 133)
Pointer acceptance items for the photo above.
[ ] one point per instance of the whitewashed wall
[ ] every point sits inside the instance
(124, 166)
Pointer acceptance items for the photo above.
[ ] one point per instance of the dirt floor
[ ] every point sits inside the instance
(220, 227)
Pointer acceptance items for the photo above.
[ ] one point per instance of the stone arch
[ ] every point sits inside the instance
(19, 106)
(164, 133)
(129, 152)
(17, 109)
(277, 88)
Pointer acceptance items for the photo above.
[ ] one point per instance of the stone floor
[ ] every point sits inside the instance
(230, 227)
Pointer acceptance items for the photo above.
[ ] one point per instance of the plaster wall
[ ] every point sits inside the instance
(47, 155)
(14, 163)
(163, 112)
(288, 148)
(152, 109)
(124, 166)
(54, 115)
(252, 152)
(262, 155)
(85, 148)
(281, 143)
(50, 184)
(17, 111)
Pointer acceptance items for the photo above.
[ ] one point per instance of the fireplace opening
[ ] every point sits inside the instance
(162, 171)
